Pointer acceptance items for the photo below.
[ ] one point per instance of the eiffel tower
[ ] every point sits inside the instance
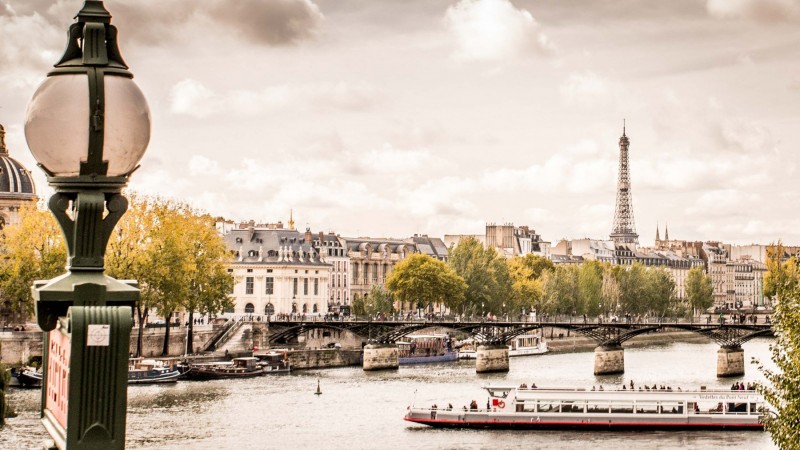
(624, 231)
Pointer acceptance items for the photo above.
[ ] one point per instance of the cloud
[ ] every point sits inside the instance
(492, 30)
(767, 11)
(273, 22)
(22, 38)
(193, 98)
(584, 87)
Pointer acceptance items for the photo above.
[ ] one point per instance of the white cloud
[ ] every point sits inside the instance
(201, 166)
(490, 30)
(190, 97)
(584, 87)
(759, 10)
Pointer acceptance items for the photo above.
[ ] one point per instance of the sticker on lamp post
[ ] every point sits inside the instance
(99, 335)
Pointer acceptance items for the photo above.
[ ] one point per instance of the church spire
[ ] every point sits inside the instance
(658, 238)
(666, 232)
(291, 220)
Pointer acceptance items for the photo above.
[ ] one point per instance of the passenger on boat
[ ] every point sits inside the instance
(523, 386)
(473, 406)
(601, 388)
(631, 384)
(449, 406)
(533, 386)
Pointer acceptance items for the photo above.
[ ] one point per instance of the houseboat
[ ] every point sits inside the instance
(274, 362)
(149, 371)
(528, 344)
(245, 367)
(426, 348)
(523, 408)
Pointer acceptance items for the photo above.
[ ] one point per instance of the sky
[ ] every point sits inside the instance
(387, 119)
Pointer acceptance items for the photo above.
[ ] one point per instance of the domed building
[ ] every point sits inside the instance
(16, 185)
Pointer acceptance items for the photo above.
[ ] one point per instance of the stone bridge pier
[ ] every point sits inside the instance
(730, 361)
(378, 356)
(491, 358)
(609, 359)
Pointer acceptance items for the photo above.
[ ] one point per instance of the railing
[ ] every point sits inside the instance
(230, 327)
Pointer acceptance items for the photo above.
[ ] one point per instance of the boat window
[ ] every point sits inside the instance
(647, 408)
(622, 407)
(671, 408)
(594, 407)
(572, 407)
(548, 406)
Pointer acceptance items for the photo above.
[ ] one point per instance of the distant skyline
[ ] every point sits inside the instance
(385, 119)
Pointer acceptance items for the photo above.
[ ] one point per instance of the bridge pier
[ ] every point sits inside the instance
(609, 359)
(730, 361)
(491, 358)
(381, 356)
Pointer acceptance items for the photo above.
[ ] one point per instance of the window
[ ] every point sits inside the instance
(269, 285)
(316, 286)
(294, 308)
(269, 309)
(249, 308)
(250, 270)
(315, 308)
(295, 286)
(305, 286)
(355, 273)
(248, 286)
(305, 308)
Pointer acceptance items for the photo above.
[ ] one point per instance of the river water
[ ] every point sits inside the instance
(364, 410)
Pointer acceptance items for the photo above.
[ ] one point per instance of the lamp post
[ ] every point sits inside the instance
(87, 125)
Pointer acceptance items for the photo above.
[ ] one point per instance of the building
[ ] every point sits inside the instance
(277, 271)
(16, 189)
(508, 240)
(744, 284)
(334, 252)
(587, 249)
(16, 185)
(372, 260)
(716, 259)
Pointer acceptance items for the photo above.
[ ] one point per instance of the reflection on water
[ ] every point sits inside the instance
(364, 410)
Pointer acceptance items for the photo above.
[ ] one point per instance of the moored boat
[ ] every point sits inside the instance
(528, 344)
(148, 371)
(245, 367)
(518, 408)
(274, 362)
(466, 349)
(419, 348)
(28, 377)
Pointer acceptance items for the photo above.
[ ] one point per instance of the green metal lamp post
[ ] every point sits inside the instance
(87, 125)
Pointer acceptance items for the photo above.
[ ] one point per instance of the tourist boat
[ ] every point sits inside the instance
(426, 348)
(274, 362)
(28, 377)
(244, 367)
(149, 371)
(466, 349)
(522, 408)
(528, 344)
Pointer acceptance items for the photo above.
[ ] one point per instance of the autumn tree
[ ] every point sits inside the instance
(31, 250)
(485, 273)
(590, 288)
(699, 290)
(561, 290)
(526, 286)
(426, 281)
(782, 390)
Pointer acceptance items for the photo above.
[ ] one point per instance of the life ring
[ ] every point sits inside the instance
(501, 404)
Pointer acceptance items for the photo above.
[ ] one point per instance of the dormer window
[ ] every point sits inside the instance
(238, 240)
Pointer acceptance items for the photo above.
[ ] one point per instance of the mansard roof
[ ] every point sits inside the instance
(271, 246)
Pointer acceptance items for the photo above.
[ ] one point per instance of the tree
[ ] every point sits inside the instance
(378, 300)
(526, 286)
(699, 290)
(782, 391)
(486, 275)
(660, 290)
(610, 291)
(561, 290)
(32, 250)
(633, 291)
(590, 288)
(426, 281)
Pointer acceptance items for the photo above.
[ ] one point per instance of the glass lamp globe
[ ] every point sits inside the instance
(57, 124)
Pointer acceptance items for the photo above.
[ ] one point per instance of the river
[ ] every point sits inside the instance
(364, 410)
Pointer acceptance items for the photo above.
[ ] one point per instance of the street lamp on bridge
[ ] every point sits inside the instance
(87, 125)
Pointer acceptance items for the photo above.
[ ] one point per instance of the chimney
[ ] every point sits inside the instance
(308, 236)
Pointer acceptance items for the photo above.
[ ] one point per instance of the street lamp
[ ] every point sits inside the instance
(87, 125)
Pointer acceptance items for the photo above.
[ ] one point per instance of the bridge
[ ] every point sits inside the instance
(381, 351)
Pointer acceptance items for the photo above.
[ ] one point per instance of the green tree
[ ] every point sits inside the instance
(561, 290)
(486, 275)
(590, 288)
(660, 288)
(782, 391)
(526, 286)
(426, 281)
(610, 291)
(378, 300)
(31, 250)
(633, 291)
(699, 290)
